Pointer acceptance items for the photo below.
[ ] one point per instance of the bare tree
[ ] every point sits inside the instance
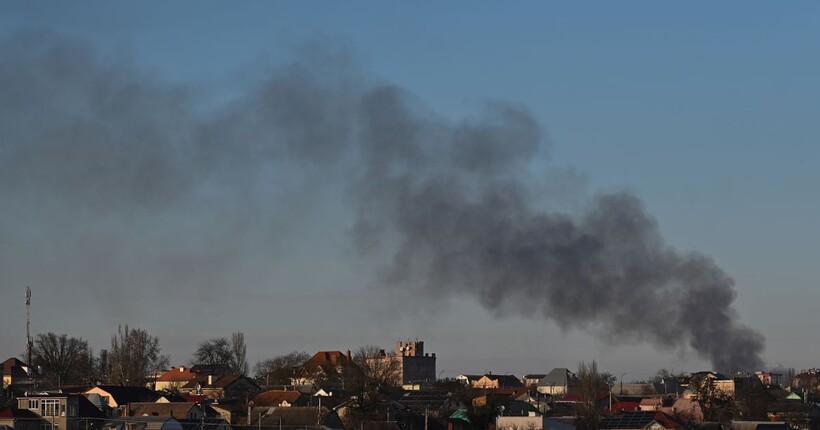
(377, 367)
(224, 356)
(591, 384)
(239, 362)
(373, 372)
(61, 356)
(216, 354)
(279, 369)
(133, 356)
(716, 404)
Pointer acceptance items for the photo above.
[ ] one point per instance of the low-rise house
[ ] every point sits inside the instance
(117, 397)
(326, 367)
(143, 423)
(797, 414)
(281, 398)
(293, 417)
(532, 379)
(433, 402)
(229, 387)
(530, 422)
(655, 420)
(686, 410)
(758, 425)
(634, 389)
(650, 404)
(61, 411)
(175, 378)
(467, 379)
(21, 419)
(558, 382)
(17, 374)
(179, 410)
(490, 381)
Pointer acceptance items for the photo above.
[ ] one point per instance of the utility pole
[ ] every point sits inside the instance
(28, 330)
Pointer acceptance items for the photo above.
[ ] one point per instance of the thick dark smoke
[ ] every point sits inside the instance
(115, 160)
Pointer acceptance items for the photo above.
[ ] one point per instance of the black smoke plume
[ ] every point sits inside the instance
(110, 172)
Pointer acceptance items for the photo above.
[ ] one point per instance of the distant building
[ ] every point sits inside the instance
(559, 381)
(490, 381)
(327, 368)
(416, 365)
(413, 366)
(175, 378)
(60, 411)
(16, 373)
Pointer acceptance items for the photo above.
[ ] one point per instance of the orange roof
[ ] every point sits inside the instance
(327, 360)
(276, 397)
(178, 374)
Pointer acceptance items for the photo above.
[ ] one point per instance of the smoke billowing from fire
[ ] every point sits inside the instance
(121, 168)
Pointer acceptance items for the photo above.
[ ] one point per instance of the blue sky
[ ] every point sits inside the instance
(707, 112)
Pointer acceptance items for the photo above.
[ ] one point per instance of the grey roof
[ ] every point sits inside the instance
(559, 376)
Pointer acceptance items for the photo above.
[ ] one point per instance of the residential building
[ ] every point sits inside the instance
(280, 398)
(116, 397)
(175, 378)
(178, 410)
(293, 417)
(61, 411)
(559, 381)
(325, 367)
(226, 387)
(531, 421)
(490, 381)
(21, 419)
(649, 420)
(144, 423)
(16, 373)
(533, 379)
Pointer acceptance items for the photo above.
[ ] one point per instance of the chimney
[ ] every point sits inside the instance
(348, 355)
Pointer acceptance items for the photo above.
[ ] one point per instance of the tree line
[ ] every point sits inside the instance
(134, 355)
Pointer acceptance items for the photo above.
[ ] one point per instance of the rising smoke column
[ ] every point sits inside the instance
(465, 223)
(115, 178)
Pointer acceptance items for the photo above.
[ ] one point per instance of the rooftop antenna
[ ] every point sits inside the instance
(28, 327)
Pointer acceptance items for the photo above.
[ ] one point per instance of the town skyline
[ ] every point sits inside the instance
(232, 172)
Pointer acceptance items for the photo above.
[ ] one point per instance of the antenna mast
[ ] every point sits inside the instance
(28, 328)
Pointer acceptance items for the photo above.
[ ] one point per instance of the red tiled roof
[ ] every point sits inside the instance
(178, 374)
(193, 398)
(625, 406)
(669, 421)
(326, 358)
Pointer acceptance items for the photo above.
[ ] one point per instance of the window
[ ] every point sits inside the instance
(50, 407)
(33, 404)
